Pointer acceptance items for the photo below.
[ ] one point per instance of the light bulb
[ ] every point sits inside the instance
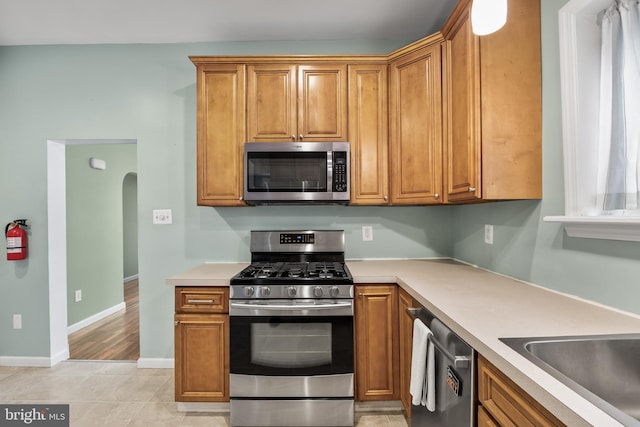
(488, 16)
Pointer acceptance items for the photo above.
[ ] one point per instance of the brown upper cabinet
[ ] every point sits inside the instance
(368, 133)
(493, 107)
(220, 133)
(416, 124)
(290, 102)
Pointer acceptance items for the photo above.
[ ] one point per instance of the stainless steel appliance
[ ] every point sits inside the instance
(300, 172)
(454, 377)
(291, 332)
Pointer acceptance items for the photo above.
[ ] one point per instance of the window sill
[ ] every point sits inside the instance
(613, 228)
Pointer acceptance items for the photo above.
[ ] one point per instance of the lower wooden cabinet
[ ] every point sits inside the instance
(202, 345)
(503, 403)
(376, 336)
(406, 344)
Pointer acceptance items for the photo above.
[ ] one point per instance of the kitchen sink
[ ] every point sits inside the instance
(604, 369)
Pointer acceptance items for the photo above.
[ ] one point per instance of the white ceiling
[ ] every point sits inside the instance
(36, 22)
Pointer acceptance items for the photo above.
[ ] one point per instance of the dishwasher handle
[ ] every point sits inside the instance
(461, 362)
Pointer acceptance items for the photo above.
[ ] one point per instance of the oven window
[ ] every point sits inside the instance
(291, 345)
(287, 172)
(296, 345)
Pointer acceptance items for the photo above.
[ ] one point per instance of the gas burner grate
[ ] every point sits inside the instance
(261, 270)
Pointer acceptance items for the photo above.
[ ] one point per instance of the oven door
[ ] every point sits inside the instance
(291, 348)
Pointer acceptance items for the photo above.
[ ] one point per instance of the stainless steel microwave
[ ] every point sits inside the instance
(296, 172)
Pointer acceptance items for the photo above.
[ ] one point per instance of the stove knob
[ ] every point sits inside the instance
(291, 291)
(334, 291)
(249, 291)
(266, 291)
(317, 291)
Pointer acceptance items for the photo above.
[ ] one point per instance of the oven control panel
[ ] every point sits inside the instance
(332, 291)
(297, 238)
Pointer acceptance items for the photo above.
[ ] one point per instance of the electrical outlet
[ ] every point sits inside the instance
(488, 234)
(78, 295)
(367, 233)
(17, 321)
(162, 216)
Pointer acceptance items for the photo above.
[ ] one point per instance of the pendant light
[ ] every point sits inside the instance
(488, 16)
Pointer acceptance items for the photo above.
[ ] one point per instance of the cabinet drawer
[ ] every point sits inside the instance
(202, 300)
(507, 403)
(484, 419)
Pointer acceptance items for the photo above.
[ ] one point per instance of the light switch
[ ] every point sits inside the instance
(17, 321)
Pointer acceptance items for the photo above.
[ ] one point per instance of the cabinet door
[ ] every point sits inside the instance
(271, 103)
(406, 344)
(221, 133)
(322, 102)
(416, 127)
(376, 314)
(202, 357)
(507, 403)
(368, 134)
(511, 106)
(463, 110)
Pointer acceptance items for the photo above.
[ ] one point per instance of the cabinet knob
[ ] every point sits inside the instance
(293, 137)
(176, 323)
(300, 137)
(436, 196)
(472, 189)
(360, 294)
(386, 198)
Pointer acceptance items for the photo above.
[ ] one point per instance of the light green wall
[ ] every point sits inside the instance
(130, 225)
(95, 253)
(525, 246)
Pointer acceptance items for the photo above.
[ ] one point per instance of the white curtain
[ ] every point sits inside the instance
(619, 135)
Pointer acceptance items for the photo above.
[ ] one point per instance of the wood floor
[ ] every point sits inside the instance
(116, 337)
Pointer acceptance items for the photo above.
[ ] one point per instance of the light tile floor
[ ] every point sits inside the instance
(118, 394)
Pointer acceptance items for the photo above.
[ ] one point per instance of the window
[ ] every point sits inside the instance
(580, 52)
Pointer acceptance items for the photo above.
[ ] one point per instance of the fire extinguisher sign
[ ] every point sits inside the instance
(14, 245)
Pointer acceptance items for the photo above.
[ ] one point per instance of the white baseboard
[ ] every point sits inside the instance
(96, 317)
(61, 356)
(130, 278)
(155, 363)
(37, 362)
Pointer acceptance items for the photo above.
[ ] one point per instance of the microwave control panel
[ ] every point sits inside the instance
(339, 171)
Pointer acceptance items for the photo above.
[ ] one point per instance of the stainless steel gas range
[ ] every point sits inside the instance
(291, 330)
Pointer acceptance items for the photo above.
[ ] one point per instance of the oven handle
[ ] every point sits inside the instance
(291, 307)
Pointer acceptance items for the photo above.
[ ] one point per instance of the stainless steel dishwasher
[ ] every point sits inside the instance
(454, 377)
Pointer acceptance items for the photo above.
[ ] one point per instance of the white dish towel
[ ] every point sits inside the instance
(423, 366)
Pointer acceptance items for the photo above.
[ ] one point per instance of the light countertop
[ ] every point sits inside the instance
(481, 307)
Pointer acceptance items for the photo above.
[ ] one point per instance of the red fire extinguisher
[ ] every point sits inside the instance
(16, 239)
